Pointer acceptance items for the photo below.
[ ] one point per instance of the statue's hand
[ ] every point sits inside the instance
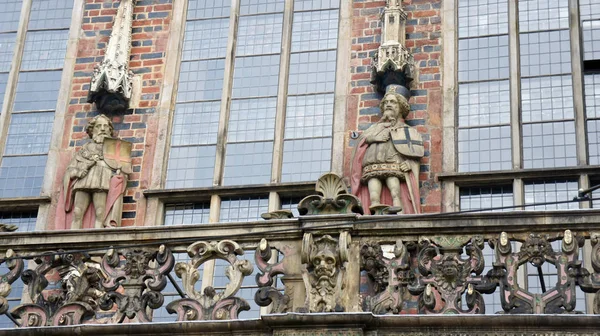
(81, 173)
(404, 167)
(384, 137)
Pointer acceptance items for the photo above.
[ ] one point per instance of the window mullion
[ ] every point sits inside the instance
(515, 88)
(11, 85)
(282, 92)
(578, 99)
(226, 94)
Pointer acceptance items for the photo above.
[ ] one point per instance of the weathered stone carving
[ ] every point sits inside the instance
(537, 250)
(267, 294)
(95, 180)
(15, 267)
(141, 275)
(211, 305)
(392, 64)
(111, 82)
(590, 283)
(8, 227)
(332, 198)
(385, 163)
(445, 276)
(324, 272)
(277, 214)
(388, 278)
(73, 303)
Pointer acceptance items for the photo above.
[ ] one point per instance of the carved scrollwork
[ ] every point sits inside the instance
(210, 304)
(332, 198)
(446, 276)
(73, 303)
(15, 267)
(267, 294)
(590, 282)
(142, 277)
(324, 271)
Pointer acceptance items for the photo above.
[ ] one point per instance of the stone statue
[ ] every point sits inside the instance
(95, 180)
(385, 163)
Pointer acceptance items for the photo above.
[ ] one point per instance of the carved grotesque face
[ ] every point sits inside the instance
(101, 130)
(391, 107)
(449, 269)
(536, 248)
(324, 264)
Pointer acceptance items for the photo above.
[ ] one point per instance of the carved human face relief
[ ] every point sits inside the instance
(101, 130)
(391, 107)
(324, 264)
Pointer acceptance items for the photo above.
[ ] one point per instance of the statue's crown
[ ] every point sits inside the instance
(399, 89)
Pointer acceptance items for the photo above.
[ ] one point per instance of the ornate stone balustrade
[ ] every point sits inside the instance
(385, 265)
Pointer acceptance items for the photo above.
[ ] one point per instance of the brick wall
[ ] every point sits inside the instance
(423, 30)
(137, 125)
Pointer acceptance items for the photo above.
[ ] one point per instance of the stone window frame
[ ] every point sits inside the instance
(158, 195)
(452, 180)
(41, 203)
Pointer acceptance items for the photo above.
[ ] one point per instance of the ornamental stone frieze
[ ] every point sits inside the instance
(111, 83)
(324, 273)
(74, 302)
(211, 304)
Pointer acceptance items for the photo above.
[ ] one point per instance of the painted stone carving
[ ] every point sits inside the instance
(111, 82)
(211, 304)
(385, 163)
(14, 268)
(267, 294)
(324, 272)
(332, 198)
(95, 180)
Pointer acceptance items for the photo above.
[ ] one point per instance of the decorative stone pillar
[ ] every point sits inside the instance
(111, 83)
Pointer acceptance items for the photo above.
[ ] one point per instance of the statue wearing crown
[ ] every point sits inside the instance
(385, 164)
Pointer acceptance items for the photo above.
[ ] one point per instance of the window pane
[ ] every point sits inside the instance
(252, 120)
(260, 34)
(7, 44)
(50, 14)
(309, 116)
(29, 133)
(593, 128)
(248, 163)
(484, 103)
(482, 17)
(200, 80)
(260, 6)
(195, 123)
(312, 72)
(256, 76)
(484, 149)
(291, 203)
(21, 176)
(3, 80)
(483, 58)
(543, 15)
(551, 191)
(198, 9)
(591, 40)
(190, 167)
(205, 39)
(592, 95)
(547, 145)
(10, 14)
(189, 213)
(315, 4)
(545, 53)
(315, 30)
(37, 90)
(25, 221)
(547, 98)
(486, 197)
(305, 160)
(243, 209)
(589, 9)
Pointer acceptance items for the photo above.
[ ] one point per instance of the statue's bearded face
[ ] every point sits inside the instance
(101, 130)
(391, 107)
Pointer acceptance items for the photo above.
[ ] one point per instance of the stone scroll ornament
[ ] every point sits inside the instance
(324, 272)
(111, 83)
(74, 302)
(14, 267)
(445, 276)
(267, 294)
(95, 180)
(590, 282)
(135, 278)
(211, 304)
(332, 198)
(387, 278)
(537, 250)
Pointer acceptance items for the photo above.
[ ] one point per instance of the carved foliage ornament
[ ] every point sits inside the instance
(73, 303)
(211, 304)
(333, 198)
(141, 275)
(324, 272)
